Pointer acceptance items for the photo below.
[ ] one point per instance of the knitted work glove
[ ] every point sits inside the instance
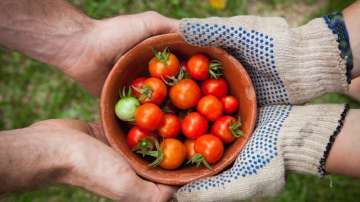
(287, 65)
(287, 138)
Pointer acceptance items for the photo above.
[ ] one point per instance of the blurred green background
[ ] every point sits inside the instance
(32, 91)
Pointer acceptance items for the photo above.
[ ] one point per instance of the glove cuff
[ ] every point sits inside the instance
(314, 63)
(308, 135)
(336, 23)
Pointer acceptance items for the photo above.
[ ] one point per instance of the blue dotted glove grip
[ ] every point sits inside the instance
(257, 154)
(255, 51)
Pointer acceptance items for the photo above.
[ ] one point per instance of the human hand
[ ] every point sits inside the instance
(287, 65)
(56, 33)
(94, 51)
(65, 152)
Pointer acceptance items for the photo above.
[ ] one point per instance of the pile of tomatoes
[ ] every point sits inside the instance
(181, 111)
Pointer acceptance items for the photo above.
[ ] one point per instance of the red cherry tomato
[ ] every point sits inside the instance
(137, 84)
(154, 91)
(164, 65)
(190, 148)
(170, 127)
(215, 87)
(230, 104)
(185, 94)
(210, 147)
(135, 135)
(210, 107)
(198, 67)
(194, 125)
(227, 128)
(149, 116)
(174, 153)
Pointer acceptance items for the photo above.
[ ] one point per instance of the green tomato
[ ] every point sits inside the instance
(125, 108)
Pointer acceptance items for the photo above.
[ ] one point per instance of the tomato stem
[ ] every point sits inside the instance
(173, 80)
(148, 151)
(162, 56)
(165, 108)
(184, 72)
(146, 92)
(215, 69)
(235, 128)
(198, 159)
(143, 146)
(123, 93)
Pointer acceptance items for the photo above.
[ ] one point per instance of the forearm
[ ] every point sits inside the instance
(344, 155)
(26, 160)
(42, 29)
(352, 16)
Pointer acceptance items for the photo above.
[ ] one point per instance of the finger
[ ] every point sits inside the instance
(137, 27)
(152, 192)
(95, 129)
(65, 123)
(166, 192)
(158, 24)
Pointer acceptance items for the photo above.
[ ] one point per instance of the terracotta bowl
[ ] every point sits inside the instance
(134, 64)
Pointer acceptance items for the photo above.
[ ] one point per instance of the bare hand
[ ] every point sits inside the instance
(96, 49)
(63, 151)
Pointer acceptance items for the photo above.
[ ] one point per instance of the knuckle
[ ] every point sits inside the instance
(153, 14)
(47, 123)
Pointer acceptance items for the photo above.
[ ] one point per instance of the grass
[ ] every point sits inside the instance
(32, 91)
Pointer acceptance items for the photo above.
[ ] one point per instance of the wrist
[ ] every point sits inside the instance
(43, 31)
(72, 45)
(51, 151)
(35, 158)
(308, 135)
(83, 58)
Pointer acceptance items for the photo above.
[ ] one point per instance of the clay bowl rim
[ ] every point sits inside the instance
(143, 172)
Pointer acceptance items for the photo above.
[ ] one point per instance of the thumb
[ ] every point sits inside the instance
(166, 192)
(155, 24)
(125, 31)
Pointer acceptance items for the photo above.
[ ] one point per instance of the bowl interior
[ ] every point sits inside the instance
(134, 64)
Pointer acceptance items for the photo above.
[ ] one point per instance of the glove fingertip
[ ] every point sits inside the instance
(196, 32)
(188, 32)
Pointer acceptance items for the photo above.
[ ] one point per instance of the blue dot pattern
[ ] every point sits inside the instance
(258, 152)
(255, 50)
